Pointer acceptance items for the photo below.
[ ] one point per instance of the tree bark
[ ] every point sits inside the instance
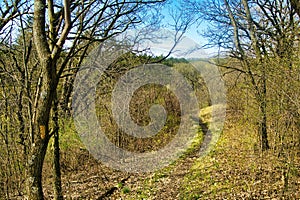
(260, 93)
(48, 48)
(34, 170)
(56, 154)
(44, 98)
(41, 132)
(263, 131)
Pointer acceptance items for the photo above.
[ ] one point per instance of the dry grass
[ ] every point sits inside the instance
(235, 169)
(238, 170)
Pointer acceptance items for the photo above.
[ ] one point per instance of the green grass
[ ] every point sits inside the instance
(126, 190)
(235, 170)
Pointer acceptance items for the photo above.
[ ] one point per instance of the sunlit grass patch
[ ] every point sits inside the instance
(236, 169)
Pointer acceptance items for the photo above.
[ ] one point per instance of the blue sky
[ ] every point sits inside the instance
(191, 40)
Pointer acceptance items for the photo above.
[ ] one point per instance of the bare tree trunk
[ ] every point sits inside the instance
(264, 134)
(41, 131)
(56, 154)
(66, 95)
(261, 89)
(263, 123)
(41, 135)
(34, 170)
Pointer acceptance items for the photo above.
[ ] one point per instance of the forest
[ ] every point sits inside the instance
(90, 110)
